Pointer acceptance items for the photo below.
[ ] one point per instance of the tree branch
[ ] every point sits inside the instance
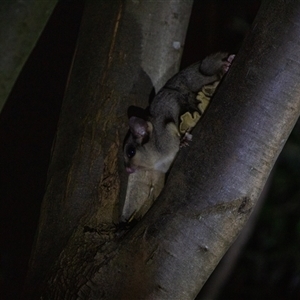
(124, 49)
(211, 189)
(214, 184)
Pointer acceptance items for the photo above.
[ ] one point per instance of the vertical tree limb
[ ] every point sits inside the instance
(124, 48)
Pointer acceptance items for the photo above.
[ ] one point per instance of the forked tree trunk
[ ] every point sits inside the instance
(213, 185)
(125, 50)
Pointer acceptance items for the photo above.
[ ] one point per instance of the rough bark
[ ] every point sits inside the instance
(211, 189)
(21, 24)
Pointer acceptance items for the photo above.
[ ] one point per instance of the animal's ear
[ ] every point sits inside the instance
(140, 129)
(135, 111)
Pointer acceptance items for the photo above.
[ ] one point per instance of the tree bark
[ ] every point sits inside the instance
(21, 24)
(212, 187)
(125, 49)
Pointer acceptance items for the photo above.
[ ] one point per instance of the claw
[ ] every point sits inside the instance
(185, 140)
(228, 62)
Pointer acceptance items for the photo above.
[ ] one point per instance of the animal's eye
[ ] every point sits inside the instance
(130, 151)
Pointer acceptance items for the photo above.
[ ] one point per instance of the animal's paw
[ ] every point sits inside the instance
(185, 140)
(227, 63)
(216, 63)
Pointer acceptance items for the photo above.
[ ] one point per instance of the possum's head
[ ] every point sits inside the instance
(138, 147)
(146, 149)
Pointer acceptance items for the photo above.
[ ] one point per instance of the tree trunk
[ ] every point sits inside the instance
(213, 185)
(21, 24)
(125, 48)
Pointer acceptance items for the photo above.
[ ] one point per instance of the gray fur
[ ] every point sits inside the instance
(160, 144)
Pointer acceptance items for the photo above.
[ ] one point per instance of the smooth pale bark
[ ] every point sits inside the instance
(210, 191)
(21, 24)
(125, 49)
(226, 267)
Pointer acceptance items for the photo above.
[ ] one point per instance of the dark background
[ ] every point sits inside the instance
(268, 267)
